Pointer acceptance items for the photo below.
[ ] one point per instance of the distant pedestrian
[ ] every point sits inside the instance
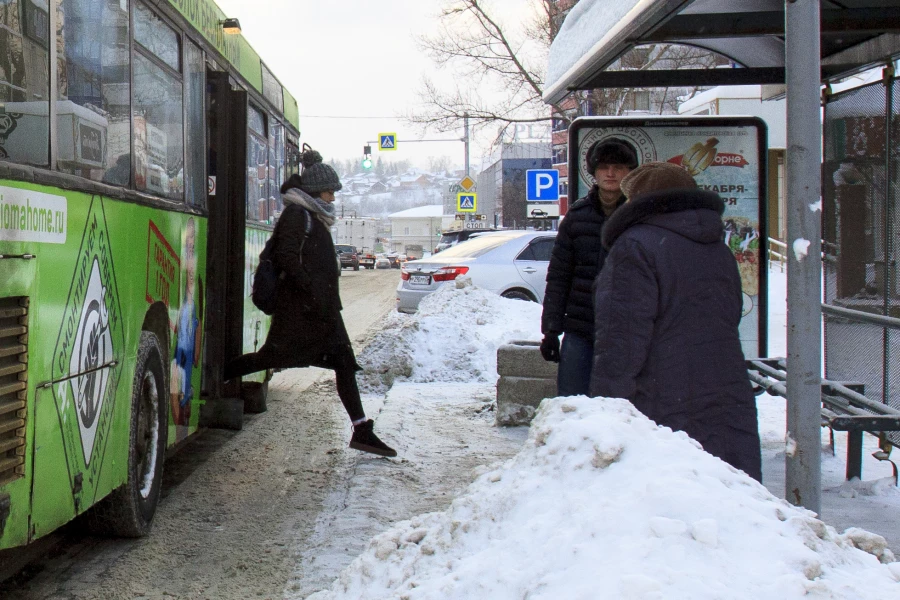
(307, 329)
(578, 256)
(667, 305)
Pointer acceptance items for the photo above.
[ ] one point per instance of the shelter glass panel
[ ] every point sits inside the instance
(860, 232)
(24, 82)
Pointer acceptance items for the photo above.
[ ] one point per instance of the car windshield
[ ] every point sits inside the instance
(344, 248)
(477, 246)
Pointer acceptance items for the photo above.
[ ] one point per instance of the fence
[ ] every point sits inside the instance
(777, 253)
(860, 238)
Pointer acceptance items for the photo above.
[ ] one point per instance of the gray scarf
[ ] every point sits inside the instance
(323, 211)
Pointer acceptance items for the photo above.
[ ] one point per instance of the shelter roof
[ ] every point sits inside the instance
(855, 34)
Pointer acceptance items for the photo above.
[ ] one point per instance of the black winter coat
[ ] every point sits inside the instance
(668, 305)
(307, 328)
(578, 256)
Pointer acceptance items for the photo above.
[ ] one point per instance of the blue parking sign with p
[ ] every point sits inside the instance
(542, 185)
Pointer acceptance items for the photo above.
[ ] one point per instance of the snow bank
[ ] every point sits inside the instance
(602, 503)
(453, 337)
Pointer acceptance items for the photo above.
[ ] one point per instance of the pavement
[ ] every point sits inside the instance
(872, 504)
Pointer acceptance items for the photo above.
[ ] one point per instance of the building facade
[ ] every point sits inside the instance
(501, 187)
(418, 229)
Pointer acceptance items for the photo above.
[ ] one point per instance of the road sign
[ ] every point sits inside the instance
(477, 225)
(542, 211)
(465, 202)
(387, 141)
(542, 185)
(467, 183)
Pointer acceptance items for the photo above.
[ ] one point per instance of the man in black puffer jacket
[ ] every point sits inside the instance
(668, 304)
(577, 257)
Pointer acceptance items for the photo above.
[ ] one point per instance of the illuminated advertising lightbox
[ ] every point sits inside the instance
(726, 155)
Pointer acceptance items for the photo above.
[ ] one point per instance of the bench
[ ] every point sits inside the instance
(844, 408)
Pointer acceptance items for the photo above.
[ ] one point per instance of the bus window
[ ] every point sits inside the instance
(157, 109)
(93, 107)
(272, 89)
(195, 92)
(276, 169)
(257, 167)
(24, 82)
(292, 158)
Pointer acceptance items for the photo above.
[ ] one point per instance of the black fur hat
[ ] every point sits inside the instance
(611, 151)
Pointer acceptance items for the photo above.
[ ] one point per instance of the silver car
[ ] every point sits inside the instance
(510, 263)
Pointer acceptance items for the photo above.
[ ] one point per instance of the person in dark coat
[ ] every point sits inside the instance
(667, 307)
(577, 257)
(307, 329)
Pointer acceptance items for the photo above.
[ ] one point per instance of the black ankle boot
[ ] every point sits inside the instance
(364, 439)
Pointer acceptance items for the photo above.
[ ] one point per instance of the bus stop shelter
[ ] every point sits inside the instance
(804, 45)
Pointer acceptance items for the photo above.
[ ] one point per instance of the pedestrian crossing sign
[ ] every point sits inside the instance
(465, 202)
(387, 141)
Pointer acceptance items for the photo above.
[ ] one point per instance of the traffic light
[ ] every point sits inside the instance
(367, 162)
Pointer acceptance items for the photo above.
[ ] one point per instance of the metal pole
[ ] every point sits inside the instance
(466, 140)
(803, 464)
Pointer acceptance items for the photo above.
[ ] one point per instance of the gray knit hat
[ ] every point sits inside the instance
(317, 176)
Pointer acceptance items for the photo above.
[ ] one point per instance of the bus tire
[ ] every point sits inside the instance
(128, 511)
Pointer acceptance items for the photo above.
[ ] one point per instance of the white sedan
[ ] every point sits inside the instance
(510, 263)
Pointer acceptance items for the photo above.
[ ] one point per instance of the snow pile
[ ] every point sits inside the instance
(602, 503)
(453, 337)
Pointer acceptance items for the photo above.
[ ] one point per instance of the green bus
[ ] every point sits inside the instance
(142, 147)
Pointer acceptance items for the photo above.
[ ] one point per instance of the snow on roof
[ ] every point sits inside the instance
(579, 34)
(432, 210)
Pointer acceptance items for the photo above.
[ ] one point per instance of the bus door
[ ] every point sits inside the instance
(227, 126)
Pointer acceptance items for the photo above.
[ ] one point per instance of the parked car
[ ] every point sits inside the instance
(510, 263)
(348, 256)
(367, 260)
(382, 263)
(451, 238)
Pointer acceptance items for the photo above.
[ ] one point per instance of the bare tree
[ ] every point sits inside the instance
(616, 101)
(502, 68)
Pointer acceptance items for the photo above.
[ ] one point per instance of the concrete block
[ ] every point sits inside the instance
(522, 358)
(519, 397)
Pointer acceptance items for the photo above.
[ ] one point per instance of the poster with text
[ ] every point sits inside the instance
(725, 155)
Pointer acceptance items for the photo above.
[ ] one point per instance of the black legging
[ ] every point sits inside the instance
(344, 376)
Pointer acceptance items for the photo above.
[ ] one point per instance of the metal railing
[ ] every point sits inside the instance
(778, 252)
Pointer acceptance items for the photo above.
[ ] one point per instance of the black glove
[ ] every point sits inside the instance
(550, 347)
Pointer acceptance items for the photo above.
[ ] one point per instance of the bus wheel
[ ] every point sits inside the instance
(128, 511)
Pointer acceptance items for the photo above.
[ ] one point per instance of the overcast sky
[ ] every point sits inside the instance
(354, 58)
